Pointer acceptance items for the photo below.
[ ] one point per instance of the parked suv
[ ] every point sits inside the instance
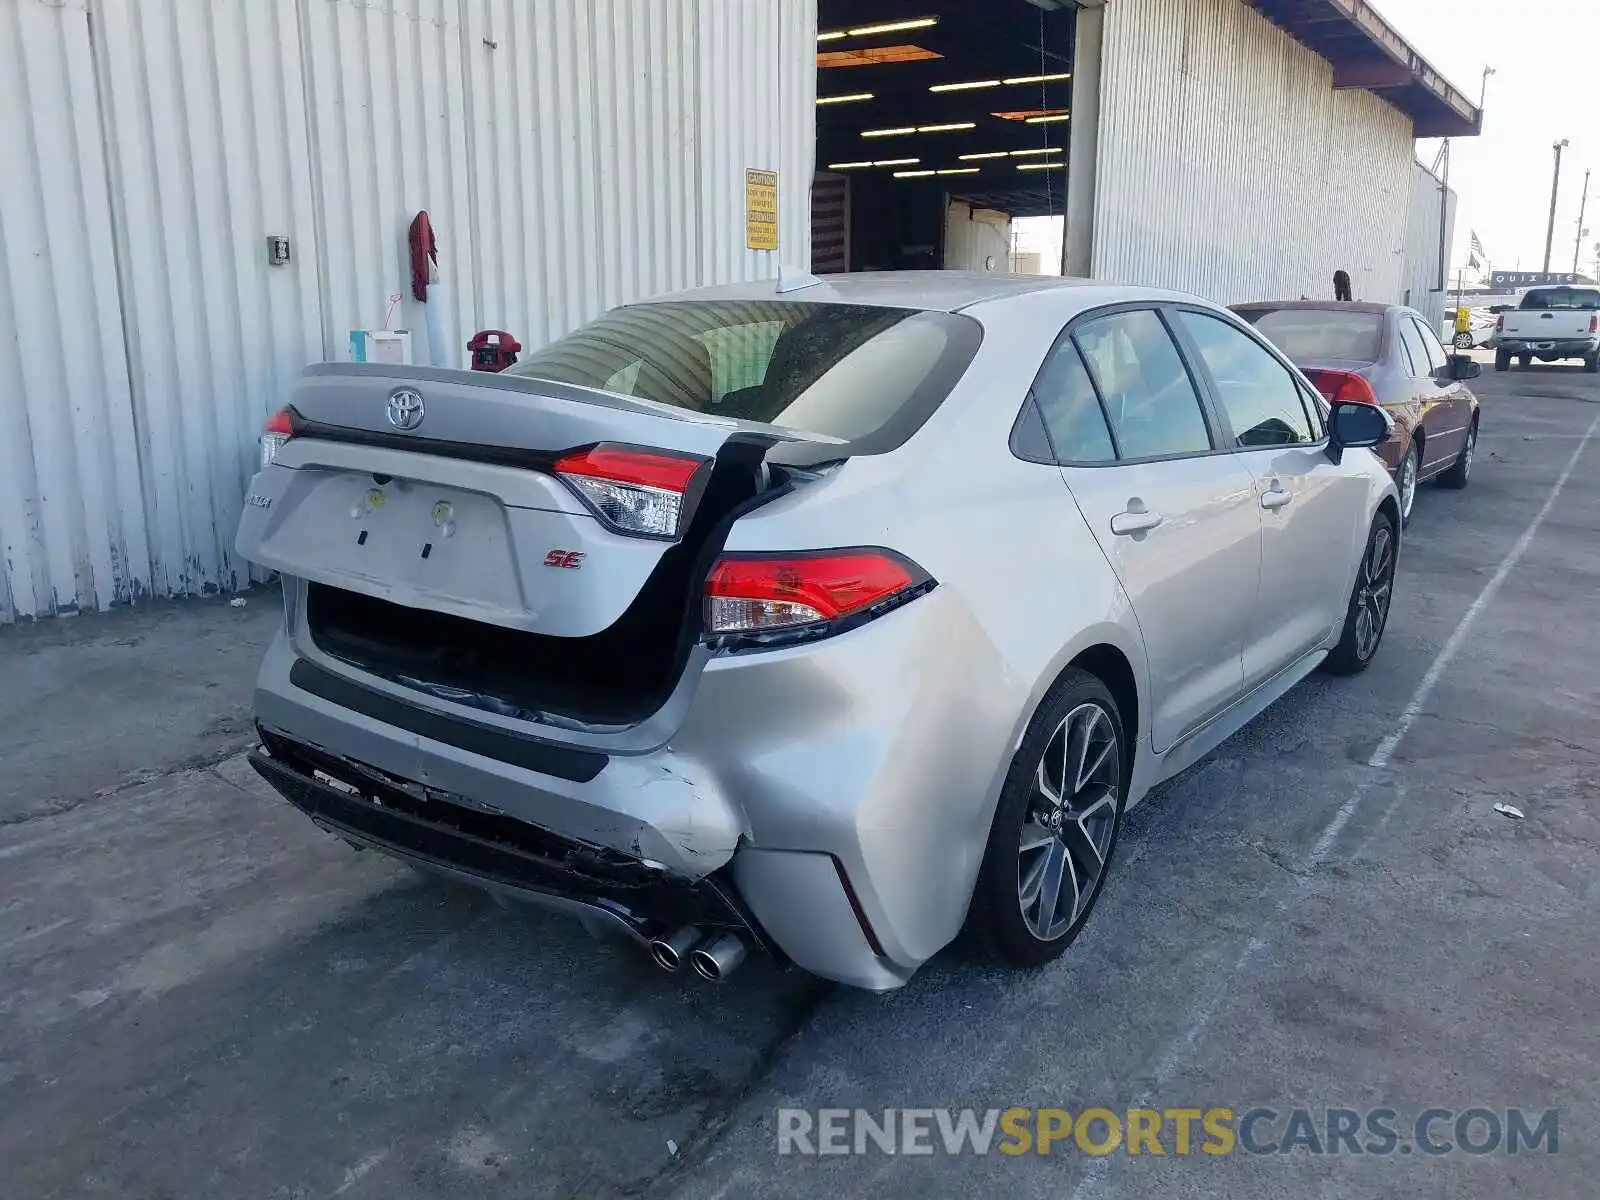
(1550, 324)
(815, 621)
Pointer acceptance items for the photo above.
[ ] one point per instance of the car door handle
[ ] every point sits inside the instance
(1275, 498)
(1126, 524)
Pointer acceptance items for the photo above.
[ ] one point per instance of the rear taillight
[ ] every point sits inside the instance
(278, 430)
(1594, 323)
(1343, 387)
(807, 594)
(1499, 323)
(639, 492)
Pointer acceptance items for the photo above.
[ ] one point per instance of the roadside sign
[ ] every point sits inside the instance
(760, 209)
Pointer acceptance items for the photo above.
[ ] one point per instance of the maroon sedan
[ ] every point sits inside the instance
(1385, 355)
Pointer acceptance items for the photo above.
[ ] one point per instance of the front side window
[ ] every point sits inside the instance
(859, 373)
(1150, 401)
(1432, 347)
(1416, 353)
(1259, 394)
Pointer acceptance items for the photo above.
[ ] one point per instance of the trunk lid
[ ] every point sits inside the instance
(437, 489)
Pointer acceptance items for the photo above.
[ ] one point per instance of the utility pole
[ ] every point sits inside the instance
(1577, 248)
(1483, 92)
(1555, 192)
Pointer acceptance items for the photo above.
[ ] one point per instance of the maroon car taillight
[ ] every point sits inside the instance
(1500, 323)
(1343, 387)
(806, 594)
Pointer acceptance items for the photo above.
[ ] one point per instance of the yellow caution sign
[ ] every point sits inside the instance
(760, 209)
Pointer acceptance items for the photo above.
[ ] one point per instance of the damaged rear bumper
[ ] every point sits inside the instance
(443, 833)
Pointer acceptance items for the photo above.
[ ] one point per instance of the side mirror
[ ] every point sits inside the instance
(1463, 366)
(1355, 426)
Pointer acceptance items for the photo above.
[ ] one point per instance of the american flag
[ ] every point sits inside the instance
(1478, 251)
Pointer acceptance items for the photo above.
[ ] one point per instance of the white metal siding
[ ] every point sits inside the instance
(71, 519)
(976, 239)
(573, 155)
(1421, 281)
(1228, 166)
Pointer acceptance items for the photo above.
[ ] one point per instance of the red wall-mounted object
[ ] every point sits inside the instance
(493, 350)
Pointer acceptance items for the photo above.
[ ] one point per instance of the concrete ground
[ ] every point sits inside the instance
(201, 995)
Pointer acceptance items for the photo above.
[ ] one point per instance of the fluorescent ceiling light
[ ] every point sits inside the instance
(988, 154)
(952, 126)
(852, 98)
(889, 132)
(847, 166)
(897, 162)
(1050, 120)
(831, 37)
(1047, 166)
(970, 85)
(959, 171)
(911, 174)
(1040, 150)
(893, 26)
(1037, 78)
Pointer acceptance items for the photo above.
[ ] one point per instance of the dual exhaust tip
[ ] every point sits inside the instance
(713, 958)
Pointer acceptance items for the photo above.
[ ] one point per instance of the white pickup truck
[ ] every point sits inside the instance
(1550, 324)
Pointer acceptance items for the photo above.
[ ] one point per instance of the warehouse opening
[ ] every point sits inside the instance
(943, 133)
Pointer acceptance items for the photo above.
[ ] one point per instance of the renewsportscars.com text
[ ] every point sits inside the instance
(1168, 1131)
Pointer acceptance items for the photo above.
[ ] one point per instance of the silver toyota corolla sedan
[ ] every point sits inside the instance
(819, 619)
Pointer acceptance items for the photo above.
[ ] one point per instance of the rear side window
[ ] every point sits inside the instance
(1150, 401)
(866, 375)
(1309, 335)
(1073, 419)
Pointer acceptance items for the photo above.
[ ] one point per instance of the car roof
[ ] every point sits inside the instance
(933, 291)
(1327, 305)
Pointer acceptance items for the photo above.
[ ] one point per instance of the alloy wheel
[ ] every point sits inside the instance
(1069, 822)
(1374, 591)
(1466, 451)
(1408, 483)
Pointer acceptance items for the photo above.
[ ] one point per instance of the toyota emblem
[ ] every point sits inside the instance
(405, 409)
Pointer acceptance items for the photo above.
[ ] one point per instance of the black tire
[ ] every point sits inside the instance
(1592, 364)
(1502, 361)
(1525, 361)
(1353, 654)
(996, 918)
(1460, 472)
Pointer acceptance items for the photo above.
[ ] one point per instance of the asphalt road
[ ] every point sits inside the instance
(200, 995)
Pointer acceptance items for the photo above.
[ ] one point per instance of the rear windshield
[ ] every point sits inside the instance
(1546, 299)
(866, 375)
(1319, 334)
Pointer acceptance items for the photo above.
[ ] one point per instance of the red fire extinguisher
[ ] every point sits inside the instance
(493, 350)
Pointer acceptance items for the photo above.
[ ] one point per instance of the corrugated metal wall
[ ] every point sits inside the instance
(573, 155)
(1424, 213)
(1228, 166)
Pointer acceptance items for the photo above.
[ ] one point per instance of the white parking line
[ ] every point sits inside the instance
(1408, 716)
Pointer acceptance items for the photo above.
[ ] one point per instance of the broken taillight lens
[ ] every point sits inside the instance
(814, 593)
(633, 491)
(278, 430)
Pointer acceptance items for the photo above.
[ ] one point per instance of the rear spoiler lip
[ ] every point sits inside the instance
(778, 451)
(533, 385)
